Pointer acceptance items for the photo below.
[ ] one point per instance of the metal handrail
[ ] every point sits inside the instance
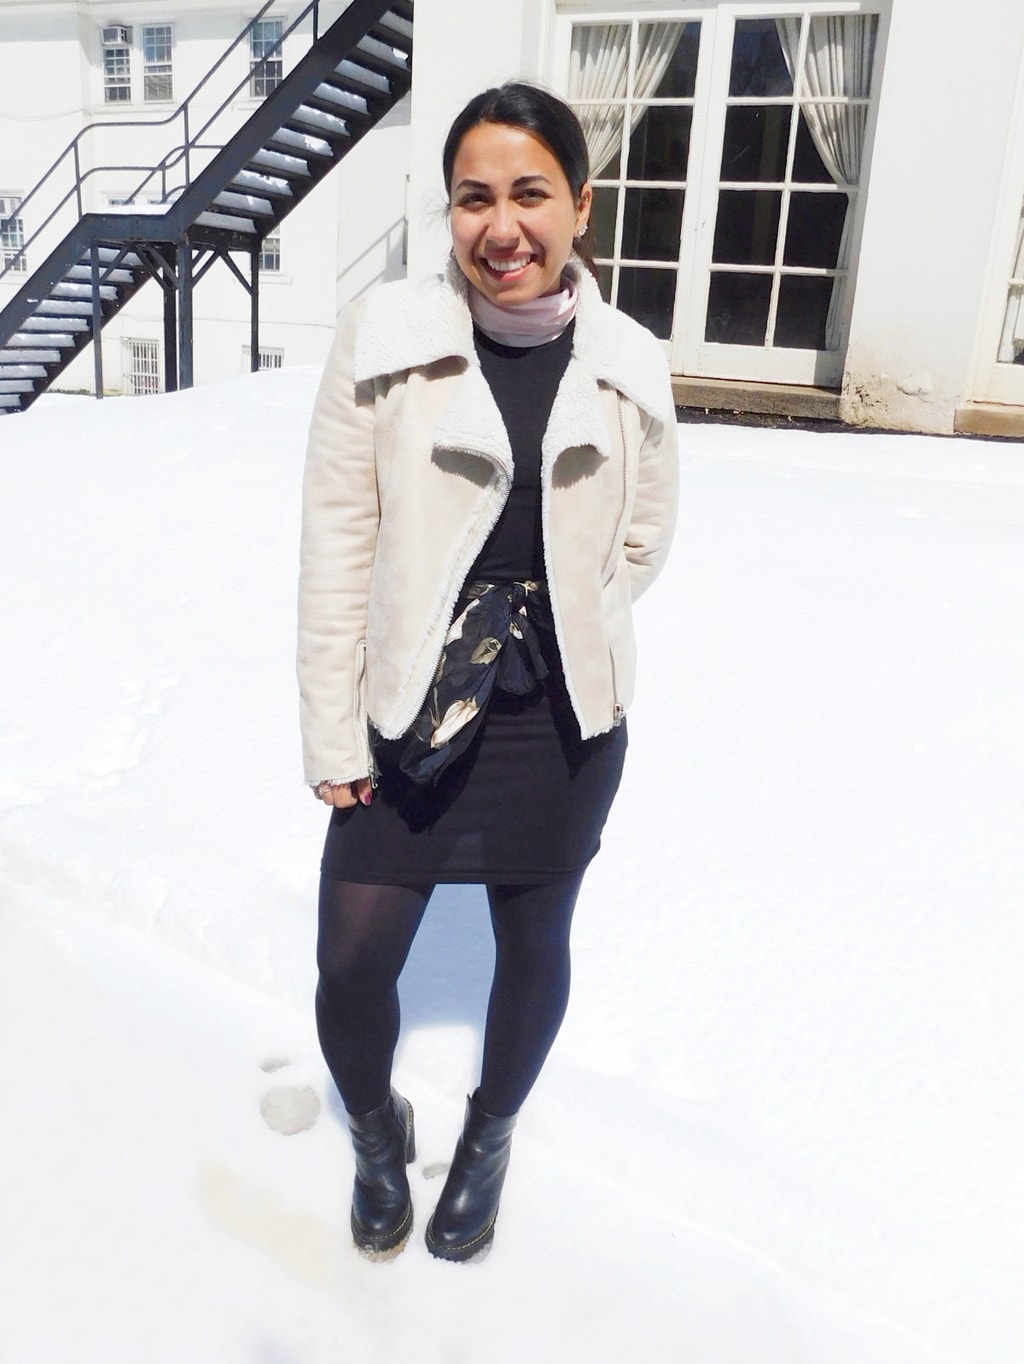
(183, 150)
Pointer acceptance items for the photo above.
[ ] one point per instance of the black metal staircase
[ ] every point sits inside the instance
(349, 78)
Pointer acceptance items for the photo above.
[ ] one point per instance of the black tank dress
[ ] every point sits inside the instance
(528, 799)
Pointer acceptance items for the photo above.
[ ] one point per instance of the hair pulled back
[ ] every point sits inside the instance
(540, 113)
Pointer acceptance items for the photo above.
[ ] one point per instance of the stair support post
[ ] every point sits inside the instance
(184, 293)
(97, 319)
(167, 284)
(254, 308)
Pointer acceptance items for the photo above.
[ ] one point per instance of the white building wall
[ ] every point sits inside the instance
(944, 120)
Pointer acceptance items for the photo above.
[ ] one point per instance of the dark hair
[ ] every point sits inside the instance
(547, 118)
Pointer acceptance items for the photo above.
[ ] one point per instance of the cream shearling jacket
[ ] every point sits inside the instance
(407, 470)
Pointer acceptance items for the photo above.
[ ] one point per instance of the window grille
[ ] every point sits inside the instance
(12, 234)
(117, 67)
(269, 358)
(270, 252)
(157, 46)
(266, 71)
(142, 367)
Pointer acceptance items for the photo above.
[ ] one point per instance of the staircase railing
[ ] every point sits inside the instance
(181, 154)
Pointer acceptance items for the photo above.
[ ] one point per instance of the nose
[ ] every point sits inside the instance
(503, 230)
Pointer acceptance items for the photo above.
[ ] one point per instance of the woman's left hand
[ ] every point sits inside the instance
(345, 796)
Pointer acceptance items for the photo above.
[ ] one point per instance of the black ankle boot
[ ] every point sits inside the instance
(463, 1221)
(385, 1142)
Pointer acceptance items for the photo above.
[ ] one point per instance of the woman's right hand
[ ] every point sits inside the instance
(344, 797)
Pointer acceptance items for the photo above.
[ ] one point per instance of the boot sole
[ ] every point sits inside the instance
(466, 1250)
(392, 1243)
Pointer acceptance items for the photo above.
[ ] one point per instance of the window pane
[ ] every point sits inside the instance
(747, 227)
(738, 309)
(680, 78)
(756, 142)
(156, 43)
(157, 85)
(808, 167)
(853, 35)
(602, 127)
(803, 312)
(648, 296)
(652, 224)
(758, 64)
(602, 221)
(598, 61)
(815, 229)
(605, 282)
(660, 146)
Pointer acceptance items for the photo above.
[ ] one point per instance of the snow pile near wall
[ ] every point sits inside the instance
(781, 1123)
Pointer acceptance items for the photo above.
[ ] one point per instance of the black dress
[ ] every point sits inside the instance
(527, 801)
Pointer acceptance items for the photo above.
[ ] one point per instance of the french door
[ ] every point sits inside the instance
(728, 144)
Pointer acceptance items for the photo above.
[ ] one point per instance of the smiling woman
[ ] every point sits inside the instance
(490, 483)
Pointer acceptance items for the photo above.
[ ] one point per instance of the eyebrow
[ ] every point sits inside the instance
(519, 183)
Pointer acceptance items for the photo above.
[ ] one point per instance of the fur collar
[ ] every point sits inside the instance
(411, 323)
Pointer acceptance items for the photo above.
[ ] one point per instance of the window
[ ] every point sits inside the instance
(269, 358)
(270, 252)
(632, 86)
(12, 234)
(117, 64)
(727, 156)
(266, 66)
(157, 45)
(141, 365)
(795, 118)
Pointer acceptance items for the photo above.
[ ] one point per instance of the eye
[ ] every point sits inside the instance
(471, 200)
(532, 196)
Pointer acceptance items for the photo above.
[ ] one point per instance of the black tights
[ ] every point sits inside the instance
(365, 934)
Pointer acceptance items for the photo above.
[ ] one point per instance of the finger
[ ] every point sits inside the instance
(363, 790)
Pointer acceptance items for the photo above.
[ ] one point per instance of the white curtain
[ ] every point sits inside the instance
(598, 70)
(1011, 343)
(838, 62)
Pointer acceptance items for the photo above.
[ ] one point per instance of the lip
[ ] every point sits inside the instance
(506, 275)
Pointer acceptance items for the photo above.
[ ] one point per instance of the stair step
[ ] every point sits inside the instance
(227, 221)
(247, 180)
(10, 401)
(362, 76)
(391, 28)
(248, 203)
(68, 289)
(326, 123)
(108, 276)
(339, 99)
(382, 57)
(36, 340)
(17, 364)
(64, 307)
(43, 322)
(301, 142)
(109, 254)
(282, 162)
(17, 386)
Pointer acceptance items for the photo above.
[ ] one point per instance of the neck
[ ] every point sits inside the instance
(525, 324)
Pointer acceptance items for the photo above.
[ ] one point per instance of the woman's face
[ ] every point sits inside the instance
(513, 215)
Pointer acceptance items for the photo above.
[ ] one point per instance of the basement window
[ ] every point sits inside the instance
(269, 358)
(141, 364)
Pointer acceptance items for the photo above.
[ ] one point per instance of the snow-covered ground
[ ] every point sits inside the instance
(783, 1121)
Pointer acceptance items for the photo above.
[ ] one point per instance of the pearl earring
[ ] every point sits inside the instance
(582, 232)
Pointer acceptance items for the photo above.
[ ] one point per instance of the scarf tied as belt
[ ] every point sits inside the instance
(492, 642)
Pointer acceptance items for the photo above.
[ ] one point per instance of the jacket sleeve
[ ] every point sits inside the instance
(653, 520)
(340, 518)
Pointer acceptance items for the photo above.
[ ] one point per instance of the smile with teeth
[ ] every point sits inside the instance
(507, 265)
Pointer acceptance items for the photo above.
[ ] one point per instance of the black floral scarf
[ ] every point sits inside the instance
(492, 642)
